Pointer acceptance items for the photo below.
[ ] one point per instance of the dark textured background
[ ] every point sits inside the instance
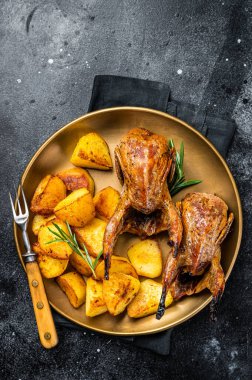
(152, 39)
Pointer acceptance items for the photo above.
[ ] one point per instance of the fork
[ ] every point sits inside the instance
(45, 323)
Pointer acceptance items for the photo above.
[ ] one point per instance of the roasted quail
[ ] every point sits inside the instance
(143, 162)
(206, 223)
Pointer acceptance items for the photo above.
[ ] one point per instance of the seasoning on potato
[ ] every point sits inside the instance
(92, 236)
(95, 304)
(92, 152)
(119, 291)
(74, 286)
(106, 201)
(49, 267)
(118, 265)
(40, 221)
(57, 250)
(76, 178)
(147, 299)
(50, 191)
(146, 258)
(79, 264)
(77, 208)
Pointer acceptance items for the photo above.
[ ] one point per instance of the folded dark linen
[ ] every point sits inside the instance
(115, 91)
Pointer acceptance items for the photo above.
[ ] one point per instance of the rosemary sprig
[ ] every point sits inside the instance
(62, 236)
(178, 182)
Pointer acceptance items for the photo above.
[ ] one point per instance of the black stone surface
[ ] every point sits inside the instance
(211, 43)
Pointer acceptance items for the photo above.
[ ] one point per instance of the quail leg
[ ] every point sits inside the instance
(172, 263)
(113, 229)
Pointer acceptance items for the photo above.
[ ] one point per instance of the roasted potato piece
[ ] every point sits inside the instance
(50, 191)
(49, 267)
(118, 265)
(80, 264)
(57, 250)
(95, 304)
(76, 178)
(39, 221)
(92, 236)
(119, 291)
(106, 201)
(92, 152)
(77, 208)
(146, 258)
(74, 286)
(147, 300)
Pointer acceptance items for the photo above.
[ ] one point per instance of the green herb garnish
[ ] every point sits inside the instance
(178, 181)
(70, 239)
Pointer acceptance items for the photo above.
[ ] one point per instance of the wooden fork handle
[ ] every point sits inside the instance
(46, 327)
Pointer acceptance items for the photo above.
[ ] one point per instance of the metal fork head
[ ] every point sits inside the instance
(22, 217)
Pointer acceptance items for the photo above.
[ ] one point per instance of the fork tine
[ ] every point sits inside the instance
(24, 199)
(19, 207)
(12, 206)
(17, 198)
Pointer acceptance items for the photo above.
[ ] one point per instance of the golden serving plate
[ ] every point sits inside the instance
(202, 161)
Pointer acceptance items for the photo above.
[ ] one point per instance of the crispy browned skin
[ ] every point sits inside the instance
(205, 225)
(143, 162)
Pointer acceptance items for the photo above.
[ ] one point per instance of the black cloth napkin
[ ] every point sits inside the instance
(114, 91)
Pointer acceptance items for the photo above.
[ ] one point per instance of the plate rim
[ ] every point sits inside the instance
(211, 146)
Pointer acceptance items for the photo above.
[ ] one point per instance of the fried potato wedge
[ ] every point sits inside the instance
(50, 191)
(79, 264)
(147, 300)
(92, 236)
(74, 286)
(57, 250)
(95, 304)
(118, 265)
(49, 267)
(119, 291)
(76, 178)
(39, 221)
(92, 152)
(146, 258)
(77, 208)
(106, 201)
